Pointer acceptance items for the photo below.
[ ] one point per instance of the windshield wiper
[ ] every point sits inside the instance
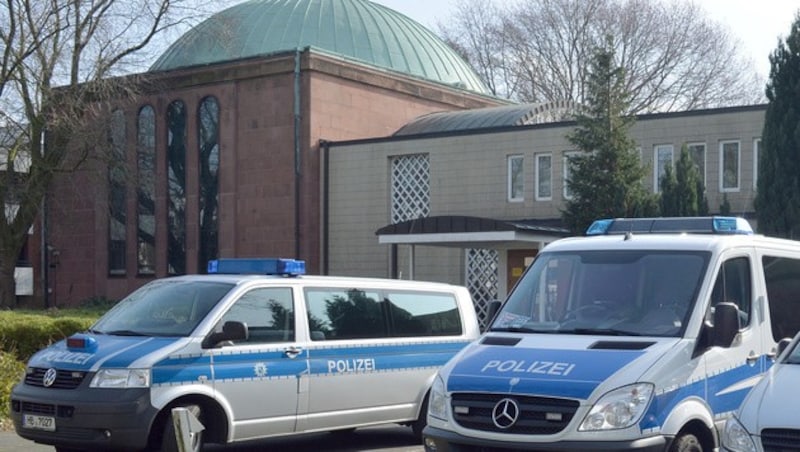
(125, 333)
(601, 332)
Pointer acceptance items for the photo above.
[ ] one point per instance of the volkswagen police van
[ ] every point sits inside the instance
(248, 355)
(644, 335)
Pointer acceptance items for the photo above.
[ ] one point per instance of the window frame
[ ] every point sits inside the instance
(537, 167)
(565, 173)
(756, 151)
(722, 161)
(657, 172)
(510, 179)
(704, 171)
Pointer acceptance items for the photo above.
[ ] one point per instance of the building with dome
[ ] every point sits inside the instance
(222, 148)
(348, 135)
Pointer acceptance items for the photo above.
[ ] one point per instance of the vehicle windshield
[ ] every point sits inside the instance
(630, 293)
(168, 307)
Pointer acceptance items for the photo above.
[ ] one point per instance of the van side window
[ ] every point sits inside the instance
(423, 314)
(268, 314)
(734, 285)
(782, 278)
(345, 314)
(370, 314)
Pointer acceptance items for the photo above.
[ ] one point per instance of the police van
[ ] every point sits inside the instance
(644, 335)
(253, 349)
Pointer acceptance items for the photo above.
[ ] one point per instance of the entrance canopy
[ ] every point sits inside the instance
(472, 232)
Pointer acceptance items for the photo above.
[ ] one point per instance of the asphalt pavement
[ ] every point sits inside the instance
(390, 438)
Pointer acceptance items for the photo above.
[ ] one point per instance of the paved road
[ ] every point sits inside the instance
(374, 439)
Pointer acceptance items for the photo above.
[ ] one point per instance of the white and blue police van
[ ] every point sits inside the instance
(253, 349)
(646, 335)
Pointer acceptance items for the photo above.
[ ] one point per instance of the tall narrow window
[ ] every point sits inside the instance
(568, 155)
(516, 178)
(176, 186)
(756, 148)
(208, 140)
(117, 196)
(146, 191)
(729, 166)
(544, 177)
(663, 157)
(697, 152)
(411, 187)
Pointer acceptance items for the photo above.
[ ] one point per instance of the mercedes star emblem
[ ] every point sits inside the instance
(505, 413)
(49, 377)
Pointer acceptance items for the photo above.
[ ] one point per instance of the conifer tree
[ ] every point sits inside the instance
(606, 177)
(777, 201)
(682, 191)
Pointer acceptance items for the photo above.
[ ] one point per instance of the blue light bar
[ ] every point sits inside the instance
(269, 266)
(671, 225)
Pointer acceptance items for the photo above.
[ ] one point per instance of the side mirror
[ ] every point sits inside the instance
(726, 324)
(231, 331)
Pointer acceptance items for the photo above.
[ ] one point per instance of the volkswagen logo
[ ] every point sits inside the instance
(49, 377)
(505, 413)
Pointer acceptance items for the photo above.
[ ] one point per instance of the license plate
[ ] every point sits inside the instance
(37, 422)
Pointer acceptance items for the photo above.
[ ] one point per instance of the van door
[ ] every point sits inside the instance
(732, 371)
(259, 378)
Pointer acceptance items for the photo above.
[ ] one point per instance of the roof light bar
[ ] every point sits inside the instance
(671, 225)
(267, 266)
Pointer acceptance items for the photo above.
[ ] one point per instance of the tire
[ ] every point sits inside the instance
(169, 443)
(686, 442)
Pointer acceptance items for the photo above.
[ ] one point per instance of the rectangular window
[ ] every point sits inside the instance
(544, 177)
(337, 313)
(756, 148)
(729, 166)
(268, 314)
(697, 152)
(782, 278)
(568, 155)
(411, 187)
(516, 178)
(663, 157)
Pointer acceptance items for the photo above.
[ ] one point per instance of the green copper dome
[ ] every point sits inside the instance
(354, 29)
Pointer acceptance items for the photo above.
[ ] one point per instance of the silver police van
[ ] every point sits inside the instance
(253, 349)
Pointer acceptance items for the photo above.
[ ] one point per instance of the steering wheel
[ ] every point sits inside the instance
(600, 309)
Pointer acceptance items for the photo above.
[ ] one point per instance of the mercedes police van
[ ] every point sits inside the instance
(645, 335)
(248, 356)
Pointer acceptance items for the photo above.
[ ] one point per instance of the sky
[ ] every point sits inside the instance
(757, 24)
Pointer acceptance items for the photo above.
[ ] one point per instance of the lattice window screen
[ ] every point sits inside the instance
(411, 187)
(482, 280)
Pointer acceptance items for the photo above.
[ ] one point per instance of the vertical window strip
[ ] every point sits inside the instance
(568, 155)
(208, 142)
(117, 220)
(756, 149)
(176, 186)
(146, 210)
(697, 152)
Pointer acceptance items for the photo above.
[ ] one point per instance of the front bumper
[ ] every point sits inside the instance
(86, 418)
(438, 440)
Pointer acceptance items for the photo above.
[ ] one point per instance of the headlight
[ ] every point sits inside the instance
(121, 378)
(735, 437)
(437, 402)
(619, 408)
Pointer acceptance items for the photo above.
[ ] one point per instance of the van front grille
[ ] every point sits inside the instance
(535, 416)
(65, 379)
(780, 439)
